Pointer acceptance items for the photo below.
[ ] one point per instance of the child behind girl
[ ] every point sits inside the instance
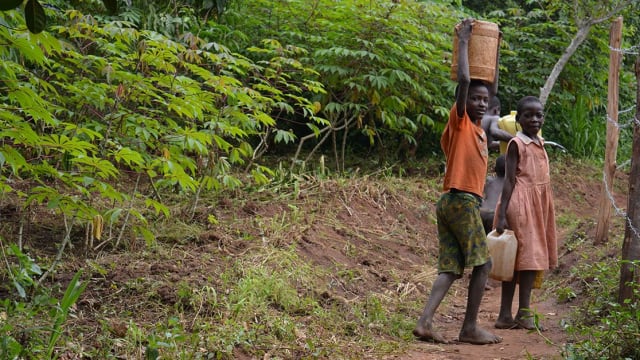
(526, 207)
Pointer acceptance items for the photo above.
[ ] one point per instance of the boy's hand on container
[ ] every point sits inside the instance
(463, 29)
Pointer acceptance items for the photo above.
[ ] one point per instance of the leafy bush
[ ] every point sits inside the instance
(604, 329)
(385, 65)
(91, 103)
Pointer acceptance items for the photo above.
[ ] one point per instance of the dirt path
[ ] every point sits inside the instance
(516, 344)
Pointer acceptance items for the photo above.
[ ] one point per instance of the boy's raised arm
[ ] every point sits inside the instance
(463, 30)
(493, 89)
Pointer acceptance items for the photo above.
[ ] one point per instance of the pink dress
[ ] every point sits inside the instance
(530, 213)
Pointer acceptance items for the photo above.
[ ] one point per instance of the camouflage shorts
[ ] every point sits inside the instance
(463, 242)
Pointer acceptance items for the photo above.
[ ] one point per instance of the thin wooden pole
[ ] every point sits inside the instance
(615, 56)
(631, 246)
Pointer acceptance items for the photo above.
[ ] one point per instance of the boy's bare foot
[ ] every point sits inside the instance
(426, 333)
(479, 336)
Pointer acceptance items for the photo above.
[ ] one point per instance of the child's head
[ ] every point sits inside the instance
(500, 166)
(477, 99)
(494, 106)
(530, 115)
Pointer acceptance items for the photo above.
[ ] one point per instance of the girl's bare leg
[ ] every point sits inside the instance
(524, 316)
(505, 317)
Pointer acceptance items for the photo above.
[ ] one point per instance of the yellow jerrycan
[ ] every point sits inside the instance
(508, 123)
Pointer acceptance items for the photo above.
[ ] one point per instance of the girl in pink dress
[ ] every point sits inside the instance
(526, 207)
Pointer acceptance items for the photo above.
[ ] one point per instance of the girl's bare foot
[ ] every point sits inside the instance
(479, 336)
(528, 323)
(506, 324)
(426, 333)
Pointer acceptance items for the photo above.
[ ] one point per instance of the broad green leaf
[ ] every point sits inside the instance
(33, 104)
(100, 167)
(29, 49)
(235, 156)
(183, 179)
(209, 182)
(113, 215)
(314, 128)
(259, 177)
(158, 207)
(34, 16)
(20, 289)
(128, 156)
(12, 157)
(137, 214)
(149, 239)
(108, 192)
(231, 182)
(41, 194)
(265, 119)
(63, 143)
(221, 143)
(284, 136)
(74, 289)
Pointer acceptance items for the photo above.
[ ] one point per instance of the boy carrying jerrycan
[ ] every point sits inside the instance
(461, 235)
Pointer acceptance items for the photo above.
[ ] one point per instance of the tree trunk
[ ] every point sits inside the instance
(604, 13)
(629, 273)
(613, 132)
(577, 40)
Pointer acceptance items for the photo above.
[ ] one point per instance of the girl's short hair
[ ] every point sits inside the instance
(526, 100)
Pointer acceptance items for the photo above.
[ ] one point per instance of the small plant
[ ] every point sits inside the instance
(22, 274)
(61, 312)
(604, 328)
(581, 132)
(565, 294)
(34, 328)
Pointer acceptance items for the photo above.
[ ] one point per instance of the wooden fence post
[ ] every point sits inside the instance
(631, 246)
(615, 56)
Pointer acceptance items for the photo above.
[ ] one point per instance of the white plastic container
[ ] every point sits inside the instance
(503, 248)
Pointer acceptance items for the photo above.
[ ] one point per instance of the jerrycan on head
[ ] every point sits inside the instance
(483, 51)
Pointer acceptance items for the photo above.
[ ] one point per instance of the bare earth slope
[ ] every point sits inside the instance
(370, 235)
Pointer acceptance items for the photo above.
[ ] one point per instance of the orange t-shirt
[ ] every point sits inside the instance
(465, 146)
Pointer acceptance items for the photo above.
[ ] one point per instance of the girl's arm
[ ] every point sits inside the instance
(509, 184)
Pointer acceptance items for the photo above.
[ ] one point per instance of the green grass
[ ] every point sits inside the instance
(242, 286)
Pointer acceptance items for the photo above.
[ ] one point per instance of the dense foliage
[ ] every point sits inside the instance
(385, 65)
(534, 37)
(90, 101)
